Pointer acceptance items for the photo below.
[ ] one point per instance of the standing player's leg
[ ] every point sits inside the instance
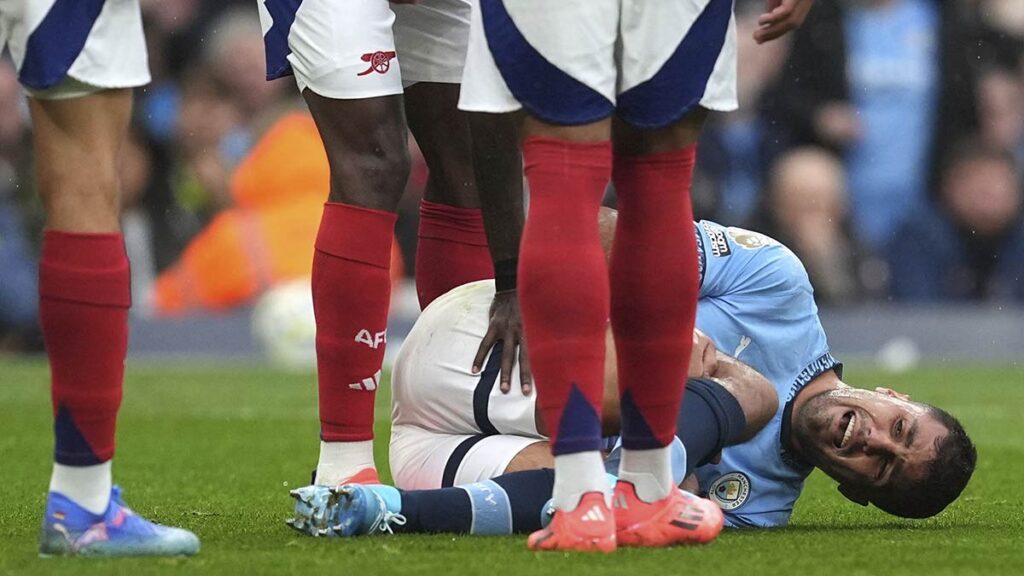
(654, 274)
(562, 277)
(564, 294)
(84, 290)
(452, 248)
(652, 314)
(365, 141)
(79, 61)
(652, 319)
(344, 64)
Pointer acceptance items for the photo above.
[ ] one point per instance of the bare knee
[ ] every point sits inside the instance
(77, 143)
(443, 134)
(599, 131)
(367, 148)
(630, 140)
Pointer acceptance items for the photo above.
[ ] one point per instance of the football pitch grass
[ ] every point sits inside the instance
(216, 448)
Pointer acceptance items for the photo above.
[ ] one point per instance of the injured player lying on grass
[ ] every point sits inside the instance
(468, 457)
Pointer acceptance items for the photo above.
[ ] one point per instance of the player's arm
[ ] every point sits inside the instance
(498, 168)
(754, 392)
(781, 17)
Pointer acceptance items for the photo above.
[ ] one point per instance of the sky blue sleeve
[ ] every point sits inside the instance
(776, 519)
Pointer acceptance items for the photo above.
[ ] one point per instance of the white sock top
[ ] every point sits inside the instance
(87, 486)
(340, 461)
(650, 471)
(575, 475)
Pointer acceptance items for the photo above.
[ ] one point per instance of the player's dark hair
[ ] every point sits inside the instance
(945, 479)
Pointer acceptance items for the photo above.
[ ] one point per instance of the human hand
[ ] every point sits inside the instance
(703, 356)
(782, 17)
(506, 327)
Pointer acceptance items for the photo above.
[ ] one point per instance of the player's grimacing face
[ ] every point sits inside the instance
(868, 439)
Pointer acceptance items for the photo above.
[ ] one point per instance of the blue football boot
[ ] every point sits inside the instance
(345, 511)
(70, 530)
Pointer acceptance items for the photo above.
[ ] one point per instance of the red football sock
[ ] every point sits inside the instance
(654, 282)
(452, 250)
(563, 286)
(351, 293)
(84, 296)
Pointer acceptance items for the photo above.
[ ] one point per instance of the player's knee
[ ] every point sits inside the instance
(443, 135)
(86, 204)
(367, 147)
(631, 140)
(371, 173)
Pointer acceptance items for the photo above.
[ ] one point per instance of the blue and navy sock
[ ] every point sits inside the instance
(511, 503)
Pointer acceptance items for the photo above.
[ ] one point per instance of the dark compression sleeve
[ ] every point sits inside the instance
(711, 419)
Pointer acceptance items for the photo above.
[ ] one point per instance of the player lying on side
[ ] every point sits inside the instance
(725, 402)
(452, 428)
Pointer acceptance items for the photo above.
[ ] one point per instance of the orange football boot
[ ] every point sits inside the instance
(679, 518)
(588, 528)
(364, 476)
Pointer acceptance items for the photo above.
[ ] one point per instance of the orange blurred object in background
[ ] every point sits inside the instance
(267, 237)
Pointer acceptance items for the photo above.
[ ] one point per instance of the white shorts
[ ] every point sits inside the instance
(73, 48)
(432, 36)
(425, 460)
(578, 61)
(448, 424)
(351, 49)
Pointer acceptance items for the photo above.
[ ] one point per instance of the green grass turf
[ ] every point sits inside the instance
(214, 449)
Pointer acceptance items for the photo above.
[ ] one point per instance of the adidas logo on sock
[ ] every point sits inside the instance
(367, 384)
(593, 515)
(620, 502)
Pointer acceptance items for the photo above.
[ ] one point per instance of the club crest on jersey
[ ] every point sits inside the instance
(380, 62)
(719, 244)
(730, 491)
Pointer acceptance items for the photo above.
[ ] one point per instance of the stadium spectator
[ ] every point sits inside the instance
(1001, 25)
(18, 271)
(206, 117)
(197, 116)
(234, 53)
(971, 247)
(1001, 111)
(266, 237)
(806, 208)
(736, 149)
(888, 83)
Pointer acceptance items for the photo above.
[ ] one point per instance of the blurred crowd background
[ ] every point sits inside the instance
(883, 142)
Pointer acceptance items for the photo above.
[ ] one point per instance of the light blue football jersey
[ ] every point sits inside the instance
(756, 303)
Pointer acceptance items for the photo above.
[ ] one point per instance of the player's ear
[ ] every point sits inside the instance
(854, 494)
(893, 394)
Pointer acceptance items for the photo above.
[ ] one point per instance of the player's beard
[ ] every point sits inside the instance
(811, 428)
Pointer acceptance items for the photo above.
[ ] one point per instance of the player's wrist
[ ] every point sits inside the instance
(505, 273)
